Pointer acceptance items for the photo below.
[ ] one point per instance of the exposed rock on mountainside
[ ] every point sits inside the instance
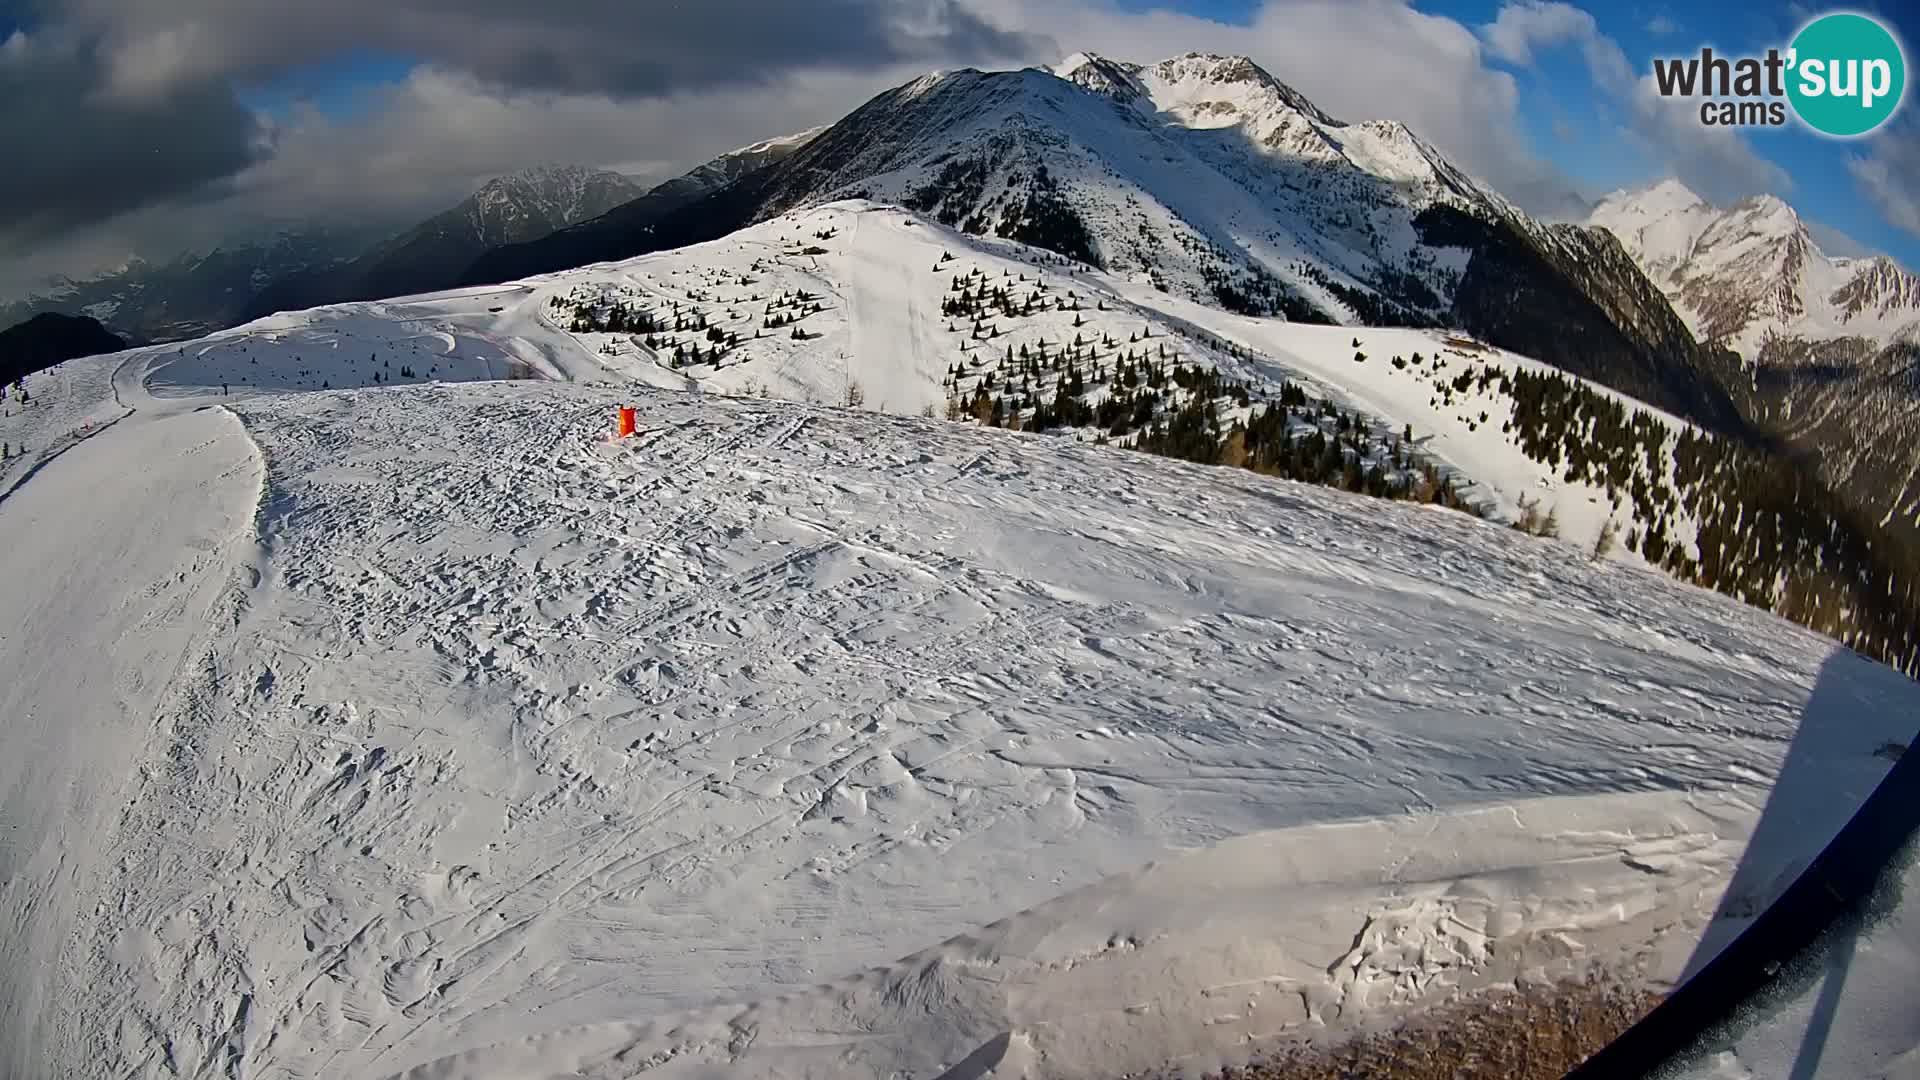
(1828, 344)
(433, 254)
(1212, 179)
(1747, 273)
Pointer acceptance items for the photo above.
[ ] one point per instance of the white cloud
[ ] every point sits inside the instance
(1717, 162)
(1888, 176)
(1520, 27)
(581, 46)
(1834, 242)
(440, 134)
(1662, 25)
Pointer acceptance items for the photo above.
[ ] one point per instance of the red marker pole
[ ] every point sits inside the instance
(624, 426)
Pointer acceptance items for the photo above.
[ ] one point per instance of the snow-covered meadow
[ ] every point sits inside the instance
(435, 729)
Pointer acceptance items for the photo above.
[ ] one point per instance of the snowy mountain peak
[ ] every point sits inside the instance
(547, 173)
(1769, 212)
(1234, 82)
(1091, 71)
(1666, 195)
(561, 184)
(1879, 286)
(925, 84)
(536, 201)
(1751, 272)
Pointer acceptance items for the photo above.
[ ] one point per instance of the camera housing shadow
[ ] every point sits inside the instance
(1825, 857)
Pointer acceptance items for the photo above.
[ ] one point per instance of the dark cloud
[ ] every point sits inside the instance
(75, 156)
(114, 107)
(618, 47)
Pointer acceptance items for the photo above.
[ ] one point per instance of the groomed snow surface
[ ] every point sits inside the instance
(426, 729)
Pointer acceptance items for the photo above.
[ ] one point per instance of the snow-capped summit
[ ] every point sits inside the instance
(1097, 73)
(536, 201)
(1208, 177)
(1662, 196)
(1229, 82)
(1751, 272)
(1830, 340)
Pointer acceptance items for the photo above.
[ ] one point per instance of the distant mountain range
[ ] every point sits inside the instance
(1750, 274)
(435, 253)
(197, 293)
(609, 236)
(1830, 346)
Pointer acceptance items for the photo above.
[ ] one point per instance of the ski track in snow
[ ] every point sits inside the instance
(505, 728)
(883, 275)
(114, 554)
(66, 404)
(521, 728)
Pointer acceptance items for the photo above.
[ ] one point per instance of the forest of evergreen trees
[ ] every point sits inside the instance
(1768, 532)
(1140, 394)
(684, 335)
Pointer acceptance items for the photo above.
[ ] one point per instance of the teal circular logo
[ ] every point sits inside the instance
(1847, 74)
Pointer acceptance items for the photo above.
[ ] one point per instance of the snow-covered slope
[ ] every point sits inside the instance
(1743, 274)
(728, 167)
(1207, 176)
(496, 727)
(868, 285)
(864, 303)
(1847, 1012)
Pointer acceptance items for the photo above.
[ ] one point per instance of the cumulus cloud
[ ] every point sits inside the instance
(1519, 28)
(1888, 175)
(440, 134)
(1835, 242)
(1716, 162)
